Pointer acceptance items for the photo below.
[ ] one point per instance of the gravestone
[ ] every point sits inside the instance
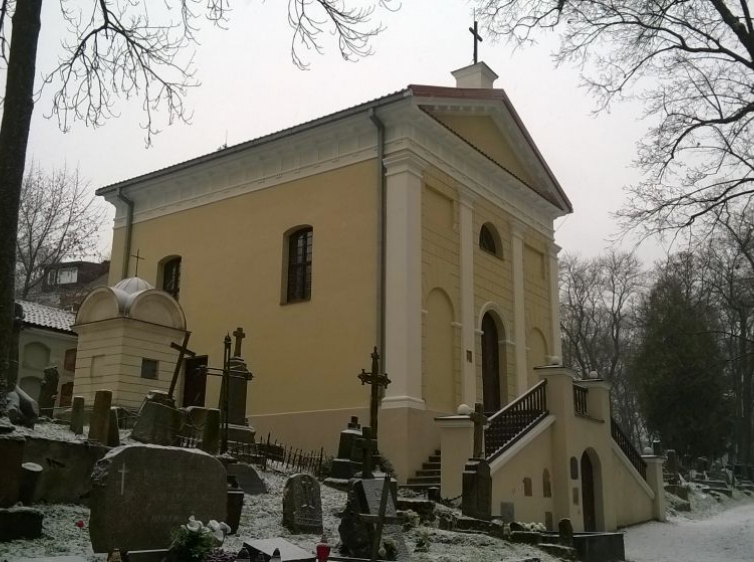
(565, 532)
(347, 463)
(140, 494)
(247, 477)
(49, 391)
(476, 500)
(356, 532)
(20, 523)
(77, 415)
(157, 423)
(507, 512)
(113, 429)
(11, 457)
(302, 505)
(99, 422)
(238, 392)
(211, 431)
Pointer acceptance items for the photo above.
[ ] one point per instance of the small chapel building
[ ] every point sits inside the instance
(420, 222)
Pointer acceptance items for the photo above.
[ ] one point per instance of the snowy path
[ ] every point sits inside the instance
(725, 537)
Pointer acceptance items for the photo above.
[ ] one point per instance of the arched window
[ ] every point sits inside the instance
(171, 277)
(489, 240)
(299, 274)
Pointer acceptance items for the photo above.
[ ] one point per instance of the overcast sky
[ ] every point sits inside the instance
(250, 88)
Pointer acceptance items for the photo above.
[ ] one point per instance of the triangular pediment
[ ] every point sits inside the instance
(482, 132)
(487, 121)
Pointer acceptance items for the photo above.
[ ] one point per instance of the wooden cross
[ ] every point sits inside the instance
(477, 38)
(183, 350)
(239, 335)
(137, 258)
(368, 446)
(380, 519)
(480, 420)
(377, 381)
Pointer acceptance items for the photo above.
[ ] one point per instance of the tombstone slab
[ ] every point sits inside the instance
(77, 415)
(11, 457)
(141, 493)
(476, 501)
(99, 422)
(247, 477)
(288, 551)
(302, 505)
(356, 534)
(158, 424)
(20, 523)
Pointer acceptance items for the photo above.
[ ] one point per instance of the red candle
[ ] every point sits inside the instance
(323, 551)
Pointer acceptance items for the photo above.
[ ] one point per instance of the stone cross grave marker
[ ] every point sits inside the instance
(302, 505)
(140, 494)
(368, 447)
(377, 381)
(480, 420)
(370, 520)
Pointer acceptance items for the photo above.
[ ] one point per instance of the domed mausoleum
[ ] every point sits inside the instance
(125, 332)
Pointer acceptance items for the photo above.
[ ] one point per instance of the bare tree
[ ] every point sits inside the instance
(58, 219)
(123, 48)
(729, 256)
(598, 301)
(691, 63)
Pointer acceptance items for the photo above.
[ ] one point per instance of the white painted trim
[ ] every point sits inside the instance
(466, 286)
(519, 308)
(629, 465)
(390, 402)
(519, 445)
(556, 346)
(461, 422)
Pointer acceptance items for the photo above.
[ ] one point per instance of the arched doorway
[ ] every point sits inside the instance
(588, 499)
(491, 361)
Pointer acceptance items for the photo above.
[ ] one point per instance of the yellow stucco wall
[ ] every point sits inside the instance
(508, 481)
(441, 342)
(632, 503)
(305, 355)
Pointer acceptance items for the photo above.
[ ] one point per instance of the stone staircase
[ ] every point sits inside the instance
(428, 476)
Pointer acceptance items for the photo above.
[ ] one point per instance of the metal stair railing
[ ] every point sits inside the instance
(514, 421)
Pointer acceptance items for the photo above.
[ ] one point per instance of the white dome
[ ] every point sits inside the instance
(132, 285)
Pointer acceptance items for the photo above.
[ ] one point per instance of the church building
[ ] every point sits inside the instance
(420, 222)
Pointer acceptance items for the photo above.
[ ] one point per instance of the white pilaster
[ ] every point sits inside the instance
(466, 232)
(554, 300)
(403, 288)
(519, 309)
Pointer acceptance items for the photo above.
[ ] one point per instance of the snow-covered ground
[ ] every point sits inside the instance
(713, 532)
(262, 518)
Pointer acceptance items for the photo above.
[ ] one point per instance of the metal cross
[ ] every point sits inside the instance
(480, 420)
(183, 350)
(123, 470)
(137, 257)
(239, 335)
(367, 445)
(477, 38)
(377, 380)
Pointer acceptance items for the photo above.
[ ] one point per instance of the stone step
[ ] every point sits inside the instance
(428, 480)
(434, 458)
(429, 472)
(418, 487)
(431, 466)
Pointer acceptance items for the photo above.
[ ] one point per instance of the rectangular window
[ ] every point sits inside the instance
(149, 368)
(68, 275)
(52, 277)
(69, 363)
(299, 265)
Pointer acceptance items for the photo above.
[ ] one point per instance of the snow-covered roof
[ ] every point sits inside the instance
(47, 316)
